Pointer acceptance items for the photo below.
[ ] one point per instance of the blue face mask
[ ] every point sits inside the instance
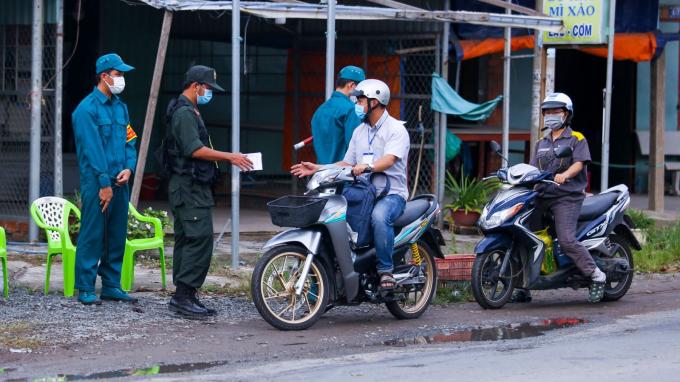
(205, 98)
(359, 111)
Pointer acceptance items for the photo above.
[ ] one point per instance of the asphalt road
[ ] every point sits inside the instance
(559, 336)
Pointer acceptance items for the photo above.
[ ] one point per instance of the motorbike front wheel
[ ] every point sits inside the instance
(491, 289)
(416, 298)
(273, 288)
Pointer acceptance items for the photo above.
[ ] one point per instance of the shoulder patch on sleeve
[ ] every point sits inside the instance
(578, 135)
(130, 133)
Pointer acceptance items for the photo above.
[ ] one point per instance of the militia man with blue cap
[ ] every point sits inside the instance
(334, 121)
(105, 143)
(187, 155)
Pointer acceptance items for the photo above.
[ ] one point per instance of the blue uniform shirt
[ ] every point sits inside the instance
(105, 141)
(332, 126)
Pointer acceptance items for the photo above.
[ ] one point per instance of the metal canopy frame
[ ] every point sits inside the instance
(330, 11)
(297, 10)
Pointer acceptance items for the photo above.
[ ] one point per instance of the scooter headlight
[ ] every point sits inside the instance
(500, 217)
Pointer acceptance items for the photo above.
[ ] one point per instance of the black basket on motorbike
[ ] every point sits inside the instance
(295, 211)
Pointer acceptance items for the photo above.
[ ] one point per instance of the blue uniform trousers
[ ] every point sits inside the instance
(91, 258)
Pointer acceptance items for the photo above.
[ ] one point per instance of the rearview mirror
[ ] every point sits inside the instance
(564, 151)
(496, 147)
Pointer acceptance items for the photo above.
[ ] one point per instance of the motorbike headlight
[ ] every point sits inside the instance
(500, 217)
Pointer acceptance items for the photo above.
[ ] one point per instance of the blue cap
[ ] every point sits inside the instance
(353, 73)
(112, 61)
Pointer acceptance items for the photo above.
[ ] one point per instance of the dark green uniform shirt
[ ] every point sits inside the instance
(182, 189)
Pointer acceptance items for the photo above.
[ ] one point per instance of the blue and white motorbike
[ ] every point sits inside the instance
(514, 254)
(309, 269)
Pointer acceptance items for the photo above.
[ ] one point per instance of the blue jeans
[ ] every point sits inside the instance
(385, 212)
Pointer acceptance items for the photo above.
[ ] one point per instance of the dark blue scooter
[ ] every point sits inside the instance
(513, 255)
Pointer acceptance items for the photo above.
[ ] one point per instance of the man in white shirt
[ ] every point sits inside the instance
(380, 144)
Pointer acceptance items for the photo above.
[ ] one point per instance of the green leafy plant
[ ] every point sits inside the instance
(140, 230)
(136, 229)
(640, 219)
(469, 194)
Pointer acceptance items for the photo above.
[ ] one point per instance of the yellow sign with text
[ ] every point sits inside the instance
(584, 21)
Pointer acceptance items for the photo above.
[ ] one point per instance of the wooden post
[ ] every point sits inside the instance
(151, 107)
(657, 125)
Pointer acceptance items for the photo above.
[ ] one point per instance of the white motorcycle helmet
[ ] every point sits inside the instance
(559, 101)
(372, 88)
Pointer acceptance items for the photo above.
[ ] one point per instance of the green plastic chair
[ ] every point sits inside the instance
(51, 214)
(127, 274)
(3, 258)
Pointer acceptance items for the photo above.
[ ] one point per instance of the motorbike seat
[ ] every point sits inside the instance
(596, 205)
(413, 210)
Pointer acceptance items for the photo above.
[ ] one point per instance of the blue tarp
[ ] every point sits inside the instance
(446, 100)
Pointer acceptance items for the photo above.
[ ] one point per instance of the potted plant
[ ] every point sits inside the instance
(469, 197)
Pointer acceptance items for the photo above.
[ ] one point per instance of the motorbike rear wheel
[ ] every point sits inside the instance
(416, 301)
(620, 249)
(486, 279)
(273, 288)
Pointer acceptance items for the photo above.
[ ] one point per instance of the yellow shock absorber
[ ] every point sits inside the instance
(415, 254)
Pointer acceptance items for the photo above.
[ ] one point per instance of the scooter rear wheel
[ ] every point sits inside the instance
(615, 290)
(273, 288)
(416, 301)
(491, 289)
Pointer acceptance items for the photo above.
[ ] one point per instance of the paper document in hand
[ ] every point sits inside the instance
(256, 158)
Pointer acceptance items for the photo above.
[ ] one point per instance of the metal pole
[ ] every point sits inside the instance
(151, 107)
(235, 128)
(536, 87)
(437, 120)
(36, 109)
(507, 51)
(441, 154)
(58, 96)
(330, 48)
(604, 180)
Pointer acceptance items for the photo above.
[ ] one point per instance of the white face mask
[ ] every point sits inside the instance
(118, 85)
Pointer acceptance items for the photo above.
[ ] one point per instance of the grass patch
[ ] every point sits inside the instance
(241, 289)
(17, 336)
(662, 251)
(451, 292)
(640, 219)
(238, 287)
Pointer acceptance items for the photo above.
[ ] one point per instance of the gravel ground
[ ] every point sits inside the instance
(38, 323)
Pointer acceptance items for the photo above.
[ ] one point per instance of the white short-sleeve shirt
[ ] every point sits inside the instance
(388, 136)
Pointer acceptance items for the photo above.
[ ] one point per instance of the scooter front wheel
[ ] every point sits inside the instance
(491, 289)
(273, 288)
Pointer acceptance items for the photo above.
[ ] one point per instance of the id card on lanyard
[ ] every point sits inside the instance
(368, 157)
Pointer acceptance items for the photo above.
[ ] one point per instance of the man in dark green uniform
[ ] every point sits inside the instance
(193, 167)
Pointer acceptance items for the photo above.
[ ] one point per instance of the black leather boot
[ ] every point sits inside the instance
(194, 298)
(183, 304)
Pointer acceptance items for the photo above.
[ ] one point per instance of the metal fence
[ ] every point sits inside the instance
(15, 117)
(417, 55)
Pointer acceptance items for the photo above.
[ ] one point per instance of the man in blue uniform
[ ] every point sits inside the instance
(334, 121)
(105, 144)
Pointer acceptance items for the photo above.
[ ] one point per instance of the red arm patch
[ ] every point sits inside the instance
(130, 134)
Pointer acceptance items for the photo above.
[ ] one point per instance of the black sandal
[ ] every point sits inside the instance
(387, 281)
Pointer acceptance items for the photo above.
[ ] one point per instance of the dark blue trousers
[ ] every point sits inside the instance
(90, 253)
